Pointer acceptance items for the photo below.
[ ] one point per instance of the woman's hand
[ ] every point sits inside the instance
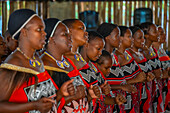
(120, 99)
(105, 88)
(44, 104)
(94, 91)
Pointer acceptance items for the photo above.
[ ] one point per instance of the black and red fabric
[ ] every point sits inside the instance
(164, 58)
(155, 63)
(100, 107)
(154, 60)
(88, 75)
(116, 77)
(167, 97)
(165, 63)
(144, 89)
(89, 78)
(130, 70)
(28, 93)
(76, 106)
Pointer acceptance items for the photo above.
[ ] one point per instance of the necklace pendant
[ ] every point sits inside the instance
(32, 63)
(38, 63)
(81, 58)
(60, 64)
(66, 64)
(76, 57)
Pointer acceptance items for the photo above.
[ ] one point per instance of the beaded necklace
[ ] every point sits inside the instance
(32, 61)
(62, 64)
(140, 55)
(126, 55)
(78, 57)
(114, 59)
(94, 69)
(151, 51)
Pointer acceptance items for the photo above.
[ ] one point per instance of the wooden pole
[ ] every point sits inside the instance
(156, 12)
(130, 12)
(4, 16)
(165, 21)
(73, 9)
(160, 15)
(109, 12)
(126, 14)
(169, 32)
(121, 15)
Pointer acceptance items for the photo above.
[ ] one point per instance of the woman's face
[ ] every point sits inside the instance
(3, 49)
(105, 66)
(62, 38)
(78, 33)
(138, 39)
(162, 35)
(35, 33)
(127, 38)
(114, 37)
(94, 48)
(153, 33)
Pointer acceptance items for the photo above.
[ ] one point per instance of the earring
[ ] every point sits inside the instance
(159, 39)
(120, 44)
(132, 44)
(48, 41)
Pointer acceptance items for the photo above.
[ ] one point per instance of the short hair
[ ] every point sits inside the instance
(123, 30)
(69, 22)
(146, 26)
(93, 35)
(134, 29)
(105, 55)
(6, 34)
(106, 28)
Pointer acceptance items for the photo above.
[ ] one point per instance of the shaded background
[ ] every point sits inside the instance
(118, 12)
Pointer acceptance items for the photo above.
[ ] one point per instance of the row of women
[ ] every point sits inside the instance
(56, 66)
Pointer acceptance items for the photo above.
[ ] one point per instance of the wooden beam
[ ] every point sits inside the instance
(169, 32)
(109, 12)
(160, 14)
(134, 5)
(48, 9)
(126, 18)
(31, 5)
(143, 4)
(99, 6)
(156, 12)
(11, 7)
(39, 8)
(93, 6)
(45, 6)
(4, 17)
(115, 12)
(73, 9)
(104, 11)
(121, 14)
(165, 21)
(130, 12)
(79, 7)
(82, 6)
(148, 5)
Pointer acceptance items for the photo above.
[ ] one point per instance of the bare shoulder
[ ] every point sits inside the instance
(70, 55)
(131, 51)
(117, 53)
(16, 58)
(5, 80)
(44, 58)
